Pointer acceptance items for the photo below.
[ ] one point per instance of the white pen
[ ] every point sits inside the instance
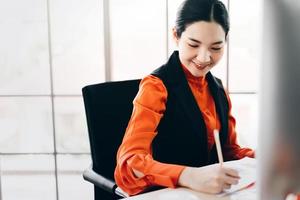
(218, 145)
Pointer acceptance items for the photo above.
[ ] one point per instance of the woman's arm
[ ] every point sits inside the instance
(136, 169)
(232, 150)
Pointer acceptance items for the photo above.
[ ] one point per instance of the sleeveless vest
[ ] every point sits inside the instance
(182, 135)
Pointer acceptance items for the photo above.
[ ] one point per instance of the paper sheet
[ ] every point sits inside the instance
(247, 171)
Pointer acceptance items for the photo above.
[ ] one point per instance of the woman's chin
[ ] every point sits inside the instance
(201, 72)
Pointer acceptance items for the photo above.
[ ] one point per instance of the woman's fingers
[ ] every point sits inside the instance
(231, 172)
(230, 180)
(226, 186)
(230, 176)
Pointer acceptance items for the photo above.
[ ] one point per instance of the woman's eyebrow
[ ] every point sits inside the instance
(194, 40)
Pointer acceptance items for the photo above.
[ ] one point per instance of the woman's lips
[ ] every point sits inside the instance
(201, 67)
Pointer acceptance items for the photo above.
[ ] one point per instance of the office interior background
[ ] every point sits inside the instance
(50, 49)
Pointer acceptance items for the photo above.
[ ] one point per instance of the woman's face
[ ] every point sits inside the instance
(201, 46)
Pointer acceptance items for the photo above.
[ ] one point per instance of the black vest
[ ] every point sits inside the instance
(182, 135)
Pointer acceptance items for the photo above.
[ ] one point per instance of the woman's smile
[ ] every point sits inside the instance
(201, 46)
(201, 66)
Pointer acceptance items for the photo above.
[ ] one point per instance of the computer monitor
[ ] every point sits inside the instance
(279, 107)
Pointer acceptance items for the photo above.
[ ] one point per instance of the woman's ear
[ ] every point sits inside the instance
(175, 36)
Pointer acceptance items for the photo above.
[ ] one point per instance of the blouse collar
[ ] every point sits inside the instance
(200, 81)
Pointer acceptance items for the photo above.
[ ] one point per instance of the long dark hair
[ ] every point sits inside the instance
(192, 11)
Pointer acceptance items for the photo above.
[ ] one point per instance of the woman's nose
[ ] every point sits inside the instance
(203, 56)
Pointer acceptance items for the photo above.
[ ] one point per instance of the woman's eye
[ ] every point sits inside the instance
(216, 49)
(194, 46)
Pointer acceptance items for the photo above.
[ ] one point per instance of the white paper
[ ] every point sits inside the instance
(246, 168)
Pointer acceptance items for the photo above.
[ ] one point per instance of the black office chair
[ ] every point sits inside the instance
(108, 108)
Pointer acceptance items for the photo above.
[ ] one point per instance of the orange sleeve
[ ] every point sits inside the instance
(232, 151)
(135, 152)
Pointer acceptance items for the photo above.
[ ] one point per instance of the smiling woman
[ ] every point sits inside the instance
(169, 139)
(201, 46)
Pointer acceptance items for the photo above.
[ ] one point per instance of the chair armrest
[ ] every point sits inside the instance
(104, 183)
(120, 192)
(98, 180)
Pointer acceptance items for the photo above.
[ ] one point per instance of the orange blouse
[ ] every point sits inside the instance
(135, 153)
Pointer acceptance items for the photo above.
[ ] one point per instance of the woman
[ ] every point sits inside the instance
(169, 139)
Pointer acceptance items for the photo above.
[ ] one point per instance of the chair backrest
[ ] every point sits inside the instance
(108, 109)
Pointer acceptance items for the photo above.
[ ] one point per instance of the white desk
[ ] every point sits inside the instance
(186, 194)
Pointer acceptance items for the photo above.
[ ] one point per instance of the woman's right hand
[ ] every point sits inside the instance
(209, 179)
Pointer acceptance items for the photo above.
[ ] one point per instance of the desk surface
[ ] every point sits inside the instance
(186, 194)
